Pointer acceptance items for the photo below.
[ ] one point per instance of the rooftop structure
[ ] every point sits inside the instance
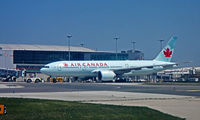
(43, 47)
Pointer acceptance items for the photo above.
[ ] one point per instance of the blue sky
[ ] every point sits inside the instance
(96, 22)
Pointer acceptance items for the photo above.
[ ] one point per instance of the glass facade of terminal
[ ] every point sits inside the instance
(32, 61)
(45, 57)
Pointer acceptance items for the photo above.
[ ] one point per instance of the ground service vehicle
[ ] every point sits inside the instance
(34, 80)
(54, 80)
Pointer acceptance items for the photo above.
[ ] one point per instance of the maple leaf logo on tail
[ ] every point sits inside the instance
(167, 52)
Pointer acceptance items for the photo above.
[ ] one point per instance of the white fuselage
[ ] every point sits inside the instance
(87, 68)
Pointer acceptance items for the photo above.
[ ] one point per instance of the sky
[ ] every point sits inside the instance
(95, 23)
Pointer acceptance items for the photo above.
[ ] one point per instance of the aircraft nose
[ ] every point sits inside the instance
(44, 69)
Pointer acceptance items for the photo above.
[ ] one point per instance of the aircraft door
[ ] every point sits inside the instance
(83, 68)
(59, 67)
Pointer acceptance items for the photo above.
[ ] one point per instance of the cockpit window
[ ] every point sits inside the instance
(46, 66)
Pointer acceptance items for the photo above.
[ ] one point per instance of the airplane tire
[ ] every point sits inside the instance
(29, 81)
(37, 81)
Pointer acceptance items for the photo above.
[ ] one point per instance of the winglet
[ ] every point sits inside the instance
(167, 52)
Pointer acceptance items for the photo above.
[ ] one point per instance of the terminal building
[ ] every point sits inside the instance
(32, 57)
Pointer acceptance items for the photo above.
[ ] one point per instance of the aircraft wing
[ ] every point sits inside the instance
(126, 70)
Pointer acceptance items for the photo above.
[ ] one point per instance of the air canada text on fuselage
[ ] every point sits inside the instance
(86, 64)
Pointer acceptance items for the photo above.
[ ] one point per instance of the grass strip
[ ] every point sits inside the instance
(35, 109)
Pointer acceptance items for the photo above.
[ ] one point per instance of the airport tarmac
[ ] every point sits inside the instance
(178, 100)
(186, 90)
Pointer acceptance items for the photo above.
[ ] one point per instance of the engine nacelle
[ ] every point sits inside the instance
(106, 75)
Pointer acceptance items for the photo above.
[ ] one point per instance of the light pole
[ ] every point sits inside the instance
(133, 45)
(161, 41)
(69, 36)
(116, 38)
(1, 55)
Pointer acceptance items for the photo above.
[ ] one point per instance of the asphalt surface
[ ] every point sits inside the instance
(186, 90)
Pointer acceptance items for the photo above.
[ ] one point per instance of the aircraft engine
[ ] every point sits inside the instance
(106, 75)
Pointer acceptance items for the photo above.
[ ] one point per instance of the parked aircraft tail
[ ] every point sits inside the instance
(167, 52)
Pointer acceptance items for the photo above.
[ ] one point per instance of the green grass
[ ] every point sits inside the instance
(33, 109)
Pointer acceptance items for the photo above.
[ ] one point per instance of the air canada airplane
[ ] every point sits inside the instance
(110, 70)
